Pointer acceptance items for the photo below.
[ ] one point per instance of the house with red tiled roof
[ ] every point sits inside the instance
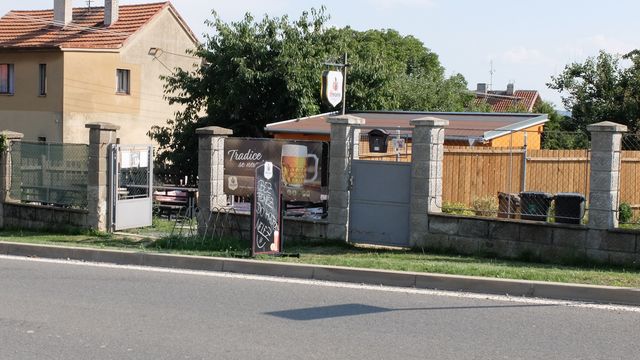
(509, 100)
(64, 67)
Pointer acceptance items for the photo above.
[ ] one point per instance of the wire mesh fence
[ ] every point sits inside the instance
(629, 210)
(49, 174)
(516, 174)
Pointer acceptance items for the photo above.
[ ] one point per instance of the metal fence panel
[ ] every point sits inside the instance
(49, 174)
(516, 175)
(629, 210)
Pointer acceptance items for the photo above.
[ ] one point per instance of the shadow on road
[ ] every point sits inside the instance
(334, 311)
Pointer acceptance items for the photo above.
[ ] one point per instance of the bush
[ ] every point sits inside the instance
(455, 208)
(625, 213)
(485, 206)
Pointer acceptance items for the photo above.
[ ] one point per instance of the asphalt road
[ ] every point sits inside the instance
(72, 311)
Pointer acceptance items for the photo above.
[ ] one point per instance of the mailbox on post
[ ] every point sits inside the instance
(378, 141)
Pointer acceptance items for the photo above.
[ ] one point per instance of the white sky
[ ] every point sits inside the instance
(528, 42)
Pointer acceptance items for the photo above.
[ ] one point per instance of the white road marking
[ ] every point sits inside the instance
(464, 295)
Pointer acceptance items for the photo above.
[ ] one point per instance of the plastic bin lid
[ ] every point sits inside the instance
(569, 195)
(536, 193)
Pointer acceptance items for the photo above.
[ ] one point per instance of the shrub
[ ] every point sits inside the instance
(485, 206)
(455, 208)
(625, 213)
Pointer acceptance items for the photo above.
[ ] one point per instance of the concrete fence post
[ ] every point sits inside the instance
(101, 135)
(210, 171)
(604, 188)
(345, 141)
(427, 156)
(5, 169)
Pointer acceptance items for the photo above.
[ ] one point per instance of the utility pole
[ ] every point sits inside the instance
(491, 72)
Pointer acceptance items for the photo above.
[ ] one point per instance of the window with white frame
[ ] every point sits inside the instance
(123, 81)
(6, 79)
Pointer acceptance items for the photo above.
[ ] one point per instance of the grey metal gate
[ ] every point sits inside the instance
(379, 204)
(131, 176)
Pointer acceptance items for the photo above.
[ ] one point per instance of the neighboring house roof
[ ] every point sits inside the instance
(35, 28)
(462, 126)
(524, 99)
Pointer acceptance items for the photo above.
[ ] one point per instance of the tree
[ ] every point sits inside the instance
(257, 72)
(600, 89)
(556, 135)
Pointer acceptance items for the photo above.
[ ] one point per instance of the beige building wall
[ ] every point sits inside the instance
(90, 82)
(26, 111)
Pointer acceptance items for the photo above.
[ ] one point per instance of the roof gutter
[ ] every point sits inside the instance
(267, 128)
(310, 132)
(539, 120)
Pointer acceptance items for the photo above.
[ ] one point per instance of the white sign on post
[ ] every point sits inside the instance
(332, 87)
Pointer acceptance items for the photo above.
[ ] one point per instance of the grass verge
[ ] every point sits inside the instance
(340, 254)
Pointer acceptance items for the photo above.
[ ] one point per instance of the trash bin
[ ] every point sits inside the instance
(570, 208)
(508, 205)
(535, 205)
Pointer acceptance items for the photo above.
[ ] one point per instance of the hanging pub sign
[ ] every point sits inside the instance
(332, 91)
(266, 214)
(302, 164)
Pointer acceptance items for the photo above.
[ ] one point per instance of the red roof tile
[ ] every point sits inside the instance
(35, 28)
(503, 103)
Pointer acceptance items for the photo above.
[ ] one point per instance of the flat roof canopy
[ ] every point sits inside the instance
(480, 126)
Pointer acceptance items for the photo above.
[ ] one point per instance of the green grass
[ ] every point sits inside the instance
(345, 255)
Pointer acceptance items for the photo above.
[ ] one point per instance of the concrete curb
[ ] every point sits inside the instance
(538, 289)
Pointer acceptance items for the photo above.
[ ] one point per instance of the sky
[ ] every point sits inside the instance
(527, 41)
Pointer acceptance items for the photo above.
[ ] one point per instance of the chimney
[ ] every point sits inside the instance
(482, 88)
(62, 12)
(111, 10)
(510, 89)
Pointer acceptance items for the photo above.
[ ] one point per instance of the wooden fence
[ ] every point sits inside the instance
(470, 173)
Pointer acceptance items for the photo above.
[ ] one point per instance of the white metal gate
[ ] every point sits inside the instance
(131, 176)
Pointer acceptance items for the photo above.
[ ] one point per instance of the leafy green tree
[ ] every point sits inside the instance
(257, 72)
(556, 135)
(601, 89)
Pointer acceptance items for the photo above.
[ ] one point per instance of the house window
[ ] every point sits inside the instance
(42, 80)
(123, 81)
(6, 79)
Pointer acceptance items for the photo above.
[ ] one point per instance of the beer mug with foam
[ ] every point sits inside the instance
(294, 165)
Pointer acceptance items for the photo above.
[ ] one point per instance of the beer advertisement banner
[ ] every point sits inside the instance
(302, 162)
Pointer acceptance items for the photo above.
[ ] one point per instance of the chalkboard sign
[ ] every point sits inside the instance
(267, 212)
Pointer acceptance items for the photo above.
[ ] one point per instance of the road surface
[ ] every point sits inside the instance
(59, 310)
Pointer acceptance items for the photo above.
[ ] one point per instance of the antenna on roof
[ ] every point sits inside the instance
(491, 72)
(89, 4)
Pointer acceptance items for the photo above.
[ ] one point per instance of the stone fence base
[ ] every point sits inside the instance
(239, 224)
(39, 217)
(502, 238)
(518, 239)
